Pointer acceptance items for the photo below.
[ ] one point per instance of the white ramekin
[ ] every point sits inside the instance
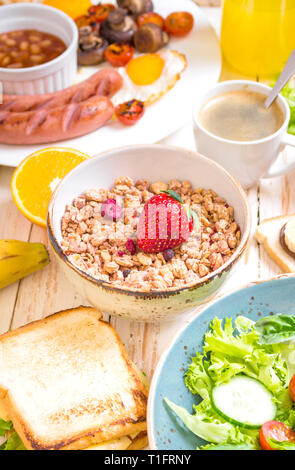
(51, 76)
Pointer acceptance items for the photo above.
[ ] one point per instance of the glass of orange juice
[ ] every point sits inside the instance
(257, 36)
(73, 8)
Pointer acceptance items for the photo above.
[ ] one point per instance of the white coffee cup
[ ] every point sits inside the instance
(247, 161)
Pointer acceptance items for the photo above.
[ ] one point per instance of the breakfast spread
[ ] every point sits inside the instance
(145, 248)
(241, 115)
(28, 48)
(276, 235)
(244, 376)
(75, 111)
(74, 366)
(112, 235)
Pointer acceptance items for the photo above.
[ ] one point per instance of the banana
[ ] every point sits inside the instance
(18, 259)
(290, 235)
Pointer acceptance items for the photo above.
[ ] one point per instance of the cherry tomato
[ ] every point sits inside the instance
(292, 388)
(85, 20)
(130, 112)
(179, 23)
(275, 430)
(100, 12)
(119, 55)
(151, 17)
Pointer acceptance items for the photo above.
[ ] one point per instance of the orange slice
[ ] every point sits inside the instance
(36, 177)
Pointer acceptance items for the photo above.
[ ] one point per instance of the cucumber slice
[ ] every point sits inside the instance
(244, 401)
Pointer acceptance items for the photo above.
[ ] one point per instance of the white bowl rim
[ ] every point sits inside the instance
(43, 8)
(205, 280)
(186, 324)
(228, 83)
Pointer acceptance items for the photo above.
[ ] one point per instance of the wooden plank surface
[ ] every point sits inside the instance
(47, 291)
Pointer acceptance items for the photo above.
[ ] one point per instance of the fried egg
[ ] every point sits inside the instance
(149, 76)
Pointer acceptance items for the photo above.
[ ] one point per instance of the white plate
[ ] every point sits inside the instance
(164, 117)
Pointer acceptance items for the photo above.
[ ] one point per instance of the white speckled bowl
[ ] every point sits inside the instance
(51, 76)
(154, 163)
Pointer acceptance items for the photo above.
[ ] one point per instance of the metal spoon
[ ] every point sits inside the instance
(287, 73)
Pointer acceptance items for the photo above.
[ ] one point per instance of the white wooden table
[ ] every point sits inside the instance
(47, 291)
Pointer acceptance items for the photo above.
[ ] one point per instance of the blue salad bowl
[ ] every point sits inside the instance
(165, 430)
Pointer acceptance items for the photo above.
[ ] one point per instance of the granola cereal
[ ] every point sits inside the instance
(100, 238)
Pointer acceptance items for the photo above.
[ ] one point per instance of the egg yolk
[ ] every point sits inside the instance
(145, 69)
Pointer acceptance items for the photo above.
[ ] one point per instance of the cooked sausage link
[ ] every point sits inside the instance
(106, 82)
(52, 125)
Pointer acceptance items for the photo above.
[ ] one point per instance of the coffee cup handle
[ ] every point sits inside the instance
(279, 169)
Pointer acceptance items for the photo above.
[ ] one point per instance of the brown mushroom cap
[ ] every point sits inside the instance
(136, 7)
(91, 49)
(118, 27)
(149, 38)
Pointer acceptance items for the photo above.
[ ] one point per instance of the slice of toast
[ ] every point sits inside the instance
(268, 234)
(67, 382)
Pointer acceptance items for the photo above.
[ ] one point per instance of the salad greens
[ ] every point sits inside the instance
(281, 445)
(240, 347)
(13, 441)
(4, 427)
(276, 329)
(289, 93)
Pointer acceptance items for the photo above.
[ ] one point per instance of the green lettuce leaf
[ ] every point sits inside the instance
(289, 93)
(14, 442)
(209, 431)
(5, 426)
(287, 352)
(196, 378)
(209, 426)
(281, 445)
(228, 447)
(276, 329)
(222, 340)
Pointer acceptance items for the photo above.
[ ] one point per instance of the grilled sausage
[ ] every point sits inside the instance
(106, 82)
(51, 125)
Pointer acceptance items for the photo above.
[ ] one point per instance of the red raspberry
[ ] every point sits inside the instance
(111, 210)
(131, 247)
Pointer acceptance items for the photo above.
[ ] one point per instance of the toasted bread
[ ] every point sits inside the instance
(139, 442)
(268, 234)
(67, 382)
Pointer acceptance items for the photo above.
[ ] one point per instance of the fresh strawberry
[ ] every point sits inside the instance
(164, 223)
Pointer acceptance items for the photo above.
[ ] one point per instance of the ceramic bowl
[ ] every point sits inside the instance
(154, 163)
(257, 299)
(52, 76)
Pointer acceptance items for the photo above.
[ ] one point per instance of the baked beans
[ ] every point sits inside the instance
(28, 47)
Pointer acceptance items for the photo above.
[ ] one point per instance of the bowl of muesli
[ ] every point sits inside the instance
(148, 232)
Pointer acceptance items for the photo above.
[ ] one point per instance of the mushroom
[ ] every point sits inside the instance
(136, 7)
(150, 37)
(91, 47)
(118, 27)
